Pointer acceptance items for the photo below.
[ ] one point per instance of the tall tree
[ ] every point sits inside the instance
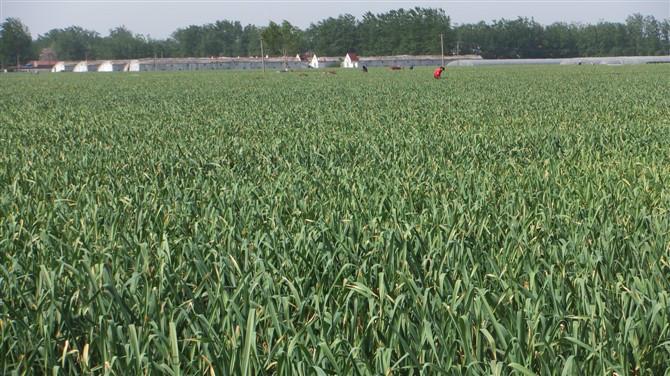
(665, 37)
(71, 43)
(284, 39)
(121, 43)
(400, 31)
(250, 41)
(333, 36)
(15, 42)
(190, 41)
(635, 28)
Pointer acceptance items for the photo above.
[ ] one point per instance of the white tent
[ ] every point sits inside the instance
(81, 67)
(314, 63)
(59, 67)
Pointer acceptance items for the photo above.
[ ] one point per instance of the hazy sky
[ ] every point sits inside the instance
(160, 18)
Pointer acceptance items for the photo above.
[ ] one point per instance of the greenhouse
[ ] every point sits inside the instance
(111, 66)
(616, 60)
(132, 66)
(81, 67)
(63, 66)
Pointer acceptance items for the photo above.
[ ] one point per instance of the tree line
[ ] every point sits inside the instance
(402, 31)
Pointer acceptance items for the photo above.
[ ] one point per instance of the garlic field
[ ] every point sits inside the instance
(510, 220)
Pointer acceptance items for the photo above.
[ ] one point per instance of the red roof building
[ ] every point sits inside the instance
(41, 64)
(350, 61)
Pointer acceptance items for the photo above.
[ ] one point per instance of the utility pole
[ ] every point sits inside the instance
(442, 47)
(262, 55)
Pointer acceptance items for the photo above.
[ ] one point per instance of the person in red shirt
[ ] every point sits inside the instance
(438, 73)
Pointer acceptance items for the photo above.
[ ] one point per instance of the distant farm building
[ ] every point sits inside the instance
(132, 66)
(350, 61)
(40, 65)
(112, 66)
(81, 67)
(304, 61)
(317, 61)
(195, 64)
(407, 61)
(59, 67)
(64, 66)
(310, 60)
(106, 66)
(328, 62)
(615, 60)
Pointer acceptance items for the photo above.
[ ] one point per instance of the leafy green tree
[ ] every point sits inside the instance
(665, 37)
(250, 41)
(15, 42)
(284, 39)
(272, 39)
(333, 36)
(473, 38)
(71, 43)
(121, 43)
(292, 38)
(400, 31)
(229, 36)
(368, 29)
(653, 37)
(190, 41)
(413, 31)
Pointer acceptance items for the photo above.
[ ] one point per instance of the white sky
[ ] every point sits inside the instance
(160, 18)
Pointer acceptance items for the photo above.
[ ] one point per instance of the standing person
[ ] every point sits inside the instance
(438, 73)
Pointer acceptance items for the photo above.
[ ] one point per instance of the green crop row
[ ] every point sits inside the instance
(502, 221)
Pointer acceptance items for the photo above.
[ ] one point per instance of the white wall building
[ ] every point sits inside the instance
(350, 61)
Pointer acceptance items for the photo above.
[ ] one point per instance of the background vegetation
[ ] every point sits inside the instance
(412, 31)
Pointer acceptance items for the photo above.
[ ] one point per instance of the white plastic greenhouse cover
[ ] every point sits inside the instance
(59, 67)
(132, 66)
(106, 66)
(472, 63)
(81, 67)
(617, 60)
